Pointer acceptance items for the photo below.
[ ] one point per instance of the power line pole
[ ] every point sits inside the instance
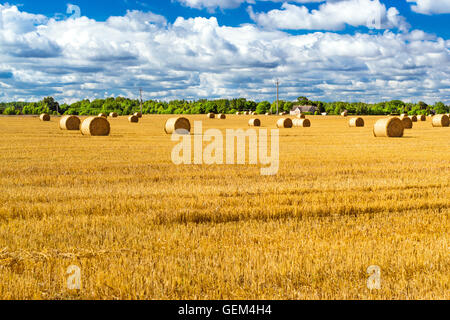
(278, 84)
(140, 91)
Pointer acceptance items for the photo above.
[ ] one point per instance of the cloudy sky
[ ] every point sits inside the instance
(350, 50)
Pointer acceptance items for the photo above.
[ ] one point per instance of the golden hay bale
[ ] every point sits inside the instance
(267, 114)
(356, 122)
(403, 115)
(138, 114)
(95, 126)
(301, 116)
(211, 115)
(305, 123)
(441, 120)
(345, 113)
(113, 115)
(407, 122)
(44, 117)
(133, 119)
(238, 113)
(284, 123)
(70, 123)
(254, 123)
(104, 115)
(389, 127)
(179, 125)
(421, 117)
(221, 116)
(413, 118)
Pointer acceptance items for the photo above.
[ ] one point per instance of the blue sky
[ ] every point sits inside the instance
(226, 48)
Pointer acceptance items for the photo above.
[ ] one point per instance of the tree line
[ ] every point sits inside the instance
(125, 106)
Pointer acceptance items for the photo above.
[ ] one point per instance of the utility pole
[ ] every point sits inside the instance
(278, 84)
(140, 91)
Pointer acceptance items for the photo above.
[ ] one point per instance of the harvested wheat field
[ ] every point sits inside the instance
(140, 227)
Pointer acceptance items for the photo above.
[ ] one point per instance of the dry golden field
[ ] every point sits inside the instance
(140, 227)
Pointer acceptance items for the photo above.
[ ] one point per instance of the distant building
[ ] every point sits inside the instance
(297, 109)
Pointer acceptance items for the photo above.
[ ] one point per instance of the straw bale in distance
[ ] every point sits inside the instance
(138, 114)
(104, 115)
(44, 117)
(284, 123)
(356, 122)
(95, 126)
(211, 115)
(389, 127)
(407, 122)
(441, 120)
(179, 125)
(301, 116)
(421, 117)
(344, 113)
(305, 123)
(113, 115)
(413, 118)
(70, 123)
(221, 116)
(254, 123)
(133, 119)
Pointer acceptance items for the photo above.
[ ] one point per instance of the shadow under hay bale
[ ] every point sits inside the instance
(95, 126)
(389, 127)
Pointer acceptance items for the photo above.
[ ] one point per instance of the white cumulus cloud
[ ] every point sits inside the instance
(199, 58)
(331, 16)
(430, 6)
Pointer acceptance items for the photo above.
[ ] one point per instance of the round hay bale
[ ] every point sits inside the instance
(44, 117)
(267, 114)
(403, 115)
(179, 125)
(441, 120)
(305, 123)
(95, 126)
(254, 123)
(284, 123)
(389, 127)
(133, 119)
(70, 123)
(211, 115)
(138, 114)
(301, 116)
(413, 118)
(421, 117)
(238, 113)
(407, 122)
(104, 115)
(113, 115)
(356, 122)
(344, 113)
(221, 116)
